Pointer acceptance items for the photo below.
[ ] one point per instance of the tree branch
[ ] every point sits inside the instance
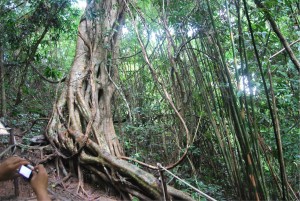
(279, 35)
(274, 55)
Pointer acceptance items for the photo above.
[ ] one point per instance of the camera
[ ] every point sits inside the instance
(26, 171)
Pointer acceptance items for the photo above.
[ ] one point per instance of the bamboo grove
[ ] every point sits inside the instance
(216, 59)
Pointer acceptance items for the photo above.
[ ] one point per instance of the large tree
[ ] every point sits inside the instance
(82, 126)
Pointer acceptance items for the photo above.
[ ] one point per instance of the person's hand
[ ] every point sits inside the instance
(8, 168)
(39, 183)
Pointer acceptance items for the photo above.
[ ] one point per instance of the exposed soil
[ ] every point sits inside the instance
(58, 190)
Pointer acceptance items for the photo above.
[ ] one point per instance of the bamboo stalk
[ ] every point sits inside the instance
(276, 133)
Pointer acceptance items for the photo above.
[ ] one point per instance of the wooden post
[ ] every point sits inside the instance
(12, 141)
(163, 183)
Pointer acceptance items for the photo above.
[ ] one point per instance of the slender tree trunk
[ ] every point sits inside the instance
(2, 75)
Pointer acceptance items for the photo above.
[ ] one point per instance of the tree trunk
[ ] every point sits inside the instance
(2, 75)
(82, 124)
(85, 103)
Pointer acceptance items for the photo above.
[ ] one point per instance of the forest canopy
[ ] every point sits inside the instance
(209, 89)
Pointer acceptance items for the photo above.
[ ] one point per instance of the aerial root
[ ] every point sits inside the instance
(115, 148)
(80, 187)
(113, 180)
(62, 181)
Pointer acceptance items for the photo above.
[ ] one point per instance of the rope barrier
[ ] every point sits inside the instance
(197, 190)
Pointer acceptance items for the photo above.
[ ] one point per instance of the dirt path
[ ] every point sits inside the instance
(58, 193)
(57, 190)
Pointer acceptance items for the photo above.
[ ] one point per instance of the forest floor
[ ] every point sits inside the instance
(58, 191)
